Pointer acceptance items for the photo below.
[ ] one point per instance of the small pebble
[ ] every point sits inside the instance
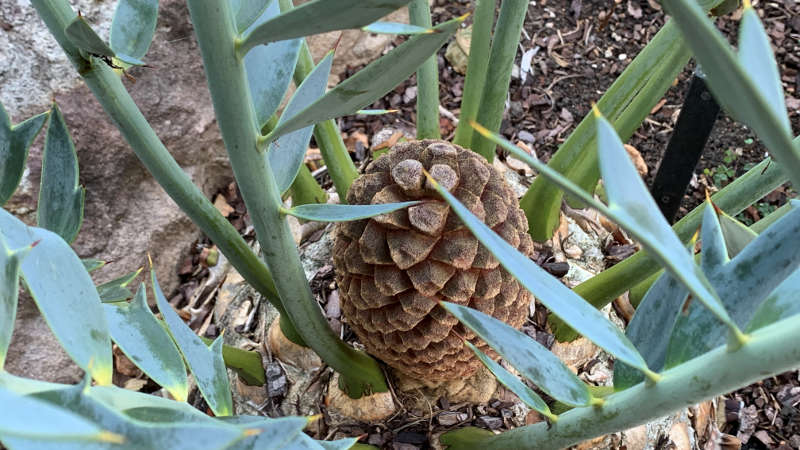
(411, 437)
(449, 418)
(492, 423)
(277, 385)
(526, 136)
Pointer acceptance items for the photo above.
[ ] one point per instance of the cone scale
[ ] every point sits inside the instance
(393, 269)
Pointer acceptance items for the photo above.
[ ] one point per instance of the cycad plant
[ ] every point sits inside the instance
(741, 315)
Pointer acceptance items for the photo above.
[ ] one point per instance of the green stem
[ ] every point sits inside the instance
(120, 107)
(305, 189)
(427, 79)
(735, 197)
(764, 223)
(216, 34)
(475, 80)
(498, 76)
(626, 103)
(769, 351)
(246, 363)
(637, 293)
(340, 166)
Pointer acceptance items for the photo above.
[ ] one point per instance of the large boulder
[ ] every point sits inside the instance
(35, 352)
(127, 213)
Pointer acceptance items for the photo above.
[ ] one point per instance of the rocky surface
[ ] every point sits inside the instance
(127, 214)
(35, 352)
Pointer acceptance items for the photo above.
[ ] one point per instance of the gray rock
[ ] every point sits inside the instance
(35, 352)
(277, 385)
(449, 418)
(32, 65)
(316, 255)
(489, 422)
(127, 213)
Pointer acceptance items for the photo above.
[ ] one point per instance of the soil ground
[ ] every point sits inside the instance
(583, 46)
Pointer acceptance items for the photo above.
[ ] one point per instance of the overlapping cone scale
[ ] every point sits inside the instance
(393, 269)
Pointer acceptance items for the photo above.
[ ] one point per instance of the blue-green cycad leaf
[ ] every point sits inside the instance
(117, 290)
(120, 399)
(263, 432)
(344, 213)
(141, 337)
(14, 144)
(651, 326)
(656, 316)
(743, 284)
(136, 433)
(205, 362)
(25, 386)
(269, 69)
(92, 264)
(320, 16)
(372, 82)
(376, 112)
(514, 384)
(81, 34)
(248, 11)
(27, 417)
(578, 323)
(396, 28)
(155, 414)
(281, 433)
(737, 235)
(65, 295)
(10, 261)
(60, 207)
(755, 55)
(287, 154)
(761, 266)
(747, 85)
(715, 251)
(133, 27)
(284, 432)
(530, 358)
(780, 304)
(632, 207)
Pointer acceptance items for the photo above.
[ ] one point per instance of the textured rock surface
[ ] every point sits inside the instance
(127, 213)
(35, 352)
(392, 269)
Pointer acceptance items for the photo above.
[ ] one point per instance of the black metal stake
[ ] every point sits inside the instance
(695, 122)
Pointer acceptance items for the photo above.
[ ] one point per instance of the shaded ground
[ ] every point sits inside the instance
(580, 48)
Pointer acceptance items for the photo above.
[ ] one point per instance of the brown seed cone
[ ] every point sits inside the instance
(394, 268)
